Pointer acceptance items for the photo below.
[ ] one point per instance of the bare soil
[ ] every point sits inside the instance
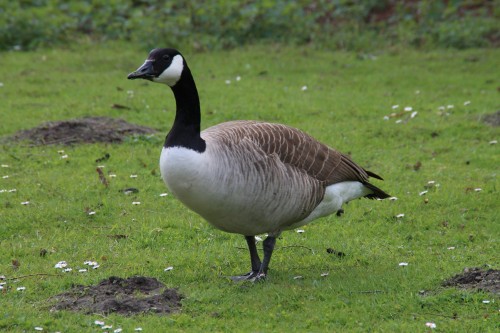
(81, 130)
(492, 119)
(129, 296)
(476, 279)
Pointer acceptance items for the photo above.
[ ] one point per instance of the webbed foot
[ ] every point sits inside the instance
(253, 276)
(245, 277)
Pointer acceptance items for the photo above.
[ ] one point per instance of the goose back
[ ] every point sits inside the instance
(293, 147)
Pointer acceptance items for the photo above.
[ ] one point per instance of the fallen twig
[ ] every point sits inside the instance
(31, 275)
(278, 248)
(102, 178)
(302, 246)
(367, 292)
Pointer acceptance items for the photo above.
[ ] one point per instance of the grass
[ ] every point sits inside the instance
(344, 105)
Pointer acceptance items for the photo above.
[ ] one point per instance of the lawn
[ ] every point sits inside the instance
(415, 118)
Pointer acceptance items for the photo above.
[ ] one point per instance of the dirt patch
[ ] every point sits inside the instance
(492, 119)
(476, 279)
(129, 296)
(82, 130)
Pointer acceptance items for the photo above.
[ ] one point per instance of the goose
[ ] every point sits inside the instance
(249, 177)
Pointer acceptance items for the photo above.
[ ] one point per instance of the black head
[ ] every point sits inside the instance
(162, 66)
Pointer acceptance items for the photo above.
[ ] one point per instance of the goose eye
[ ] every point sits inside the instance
(166, 57)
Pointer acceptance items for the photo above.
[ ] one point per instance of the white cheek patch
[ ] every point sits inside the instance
(172, 73)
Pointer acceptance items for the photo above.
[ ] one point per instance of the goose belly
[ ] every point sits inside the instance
(231, 195)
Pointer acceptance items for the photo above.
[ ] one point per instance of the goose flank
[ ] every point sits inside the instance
(249, 177)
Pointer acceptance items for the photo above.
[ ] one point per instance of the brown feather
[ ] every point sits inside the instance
(296, 148)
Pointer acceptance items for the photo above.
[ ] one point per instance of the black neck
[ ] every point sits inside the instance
(185, 132)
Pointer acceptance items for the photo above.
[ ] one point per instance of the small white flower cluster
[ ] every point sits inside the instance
(64, 266)
(92, 264)
(431, 184)
(61, 264)
(3, 284)
(430, 325)
(403, 116)
(3, 277)
(63, 155)
(104, 326)
(443, 109)
(237, 79)
(406, 109)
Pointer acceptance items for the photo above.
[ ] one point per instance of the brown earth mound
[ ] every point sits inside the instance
(134, 295)
(477, 279)
(82, 130)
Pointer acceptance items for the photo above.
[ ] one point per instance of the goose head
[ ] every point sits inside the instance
(161, 66)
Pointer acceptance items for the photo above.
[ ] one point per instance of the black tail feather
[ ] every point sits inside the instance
(377, 193)
(374, 175)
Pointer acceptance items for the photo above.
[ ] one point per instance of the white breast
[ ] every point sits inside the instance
(184, 172)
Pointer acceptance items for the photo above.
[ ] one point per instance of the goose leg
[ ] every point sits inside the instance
(255, 260)
(268, 246)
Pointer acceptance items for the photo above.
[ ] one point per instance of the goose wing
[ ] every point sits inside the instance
(295, 148)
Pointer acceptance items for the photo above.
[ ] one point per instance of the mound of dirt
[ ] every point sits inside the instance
(134, 295)
(477, 279)
(82, 130)
(492, 119)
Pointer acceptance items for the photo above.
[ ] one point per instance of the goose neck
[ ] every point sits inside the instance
(186, 129)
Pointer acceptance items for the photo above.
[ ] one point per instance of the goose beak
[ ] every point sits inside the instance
(146, 71)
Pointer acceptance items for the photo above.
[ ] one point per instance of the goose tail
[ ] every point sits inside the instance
(376, 192)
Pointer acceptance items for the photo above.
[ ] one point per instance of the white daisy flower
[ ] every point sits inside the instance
(430, 325)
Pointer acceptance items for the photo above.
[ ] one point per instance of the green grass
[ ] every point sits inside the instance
(346, 99)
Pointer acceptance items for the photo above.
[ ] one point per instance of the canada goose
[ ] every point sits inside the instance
(249, 177)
